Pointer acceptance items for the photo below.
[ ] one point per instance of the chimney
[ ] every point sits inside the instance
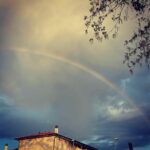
(6, 147)
(130, 146)
(56, 130)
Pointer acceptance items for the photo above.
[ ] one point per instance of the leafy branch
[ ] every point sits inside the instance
(138, 46)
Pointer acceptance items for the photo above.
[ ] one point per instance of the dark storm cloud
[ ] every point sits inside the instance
(17, 122)
(135, 129)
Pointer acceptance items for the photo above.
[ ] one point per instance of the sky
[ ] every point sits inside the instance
(50, 74)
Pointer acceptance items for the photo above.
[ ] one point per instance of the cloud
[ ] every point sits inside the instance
(18, 121)
(128, 129)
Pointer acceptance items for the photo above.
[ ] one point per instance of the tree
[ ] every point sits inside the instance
(119, 11)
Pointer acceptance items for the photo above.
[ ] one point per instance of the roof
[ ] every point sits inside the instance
(47, 134)
(38, 135)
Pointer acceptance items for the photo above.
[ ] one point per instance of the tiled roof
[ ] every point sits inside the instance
(38, 135)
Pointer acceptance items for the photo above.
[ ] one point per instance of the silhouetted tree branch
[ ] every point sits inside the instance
(138, 46)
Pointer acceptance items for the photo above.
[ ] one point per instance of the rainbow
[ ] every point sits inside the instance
(88, 70)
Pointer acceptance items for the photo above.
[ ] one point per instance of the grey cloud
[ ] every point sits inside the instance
(135, 130)
(15, 123)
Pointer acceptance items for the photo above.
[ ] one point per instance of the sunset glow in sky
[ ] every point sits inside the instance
(51, 74)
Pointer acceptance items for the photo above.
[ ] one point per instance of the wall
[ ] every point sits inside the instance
(46, 143)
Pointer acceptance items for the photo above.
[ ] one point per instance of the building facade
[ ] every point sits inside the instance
(50, 141)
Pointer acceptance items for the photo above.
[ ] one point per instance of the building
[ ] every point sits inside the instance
(50, 141)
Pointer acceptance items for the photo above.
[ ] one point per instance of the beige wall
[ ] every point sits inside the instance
(46, 143)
